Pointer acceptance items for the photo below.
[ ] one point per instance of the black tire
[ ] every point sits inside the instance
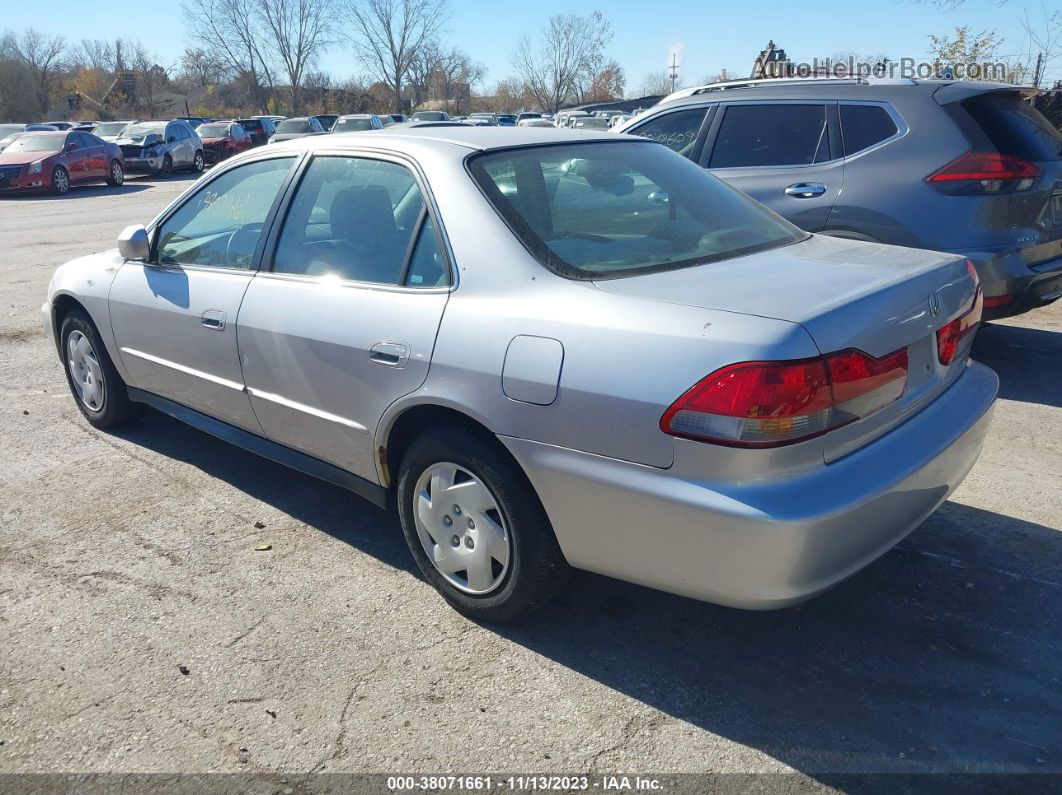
(167, 166)
(536, 567)
(116, 174)
(60, 181)
(199, 163)
(116, 408)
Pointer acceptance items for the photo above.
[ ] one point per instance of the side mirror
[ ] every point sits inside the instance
(133, 243)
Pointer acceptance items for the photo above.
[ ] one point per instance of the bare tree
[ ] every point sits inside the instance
(42, 55)
(201, 68)
(229, 28)
(570, 51)
(299, 30)
(655, 84)
(94, 54)
(389, 34)
(442, 74)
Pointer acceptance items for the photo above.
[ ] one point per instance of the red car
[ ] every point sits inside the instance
(56, 160)
(223, 139)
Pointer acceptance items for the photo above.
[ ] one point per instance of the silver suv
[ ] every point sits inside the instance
(161, 147)
(959, 166)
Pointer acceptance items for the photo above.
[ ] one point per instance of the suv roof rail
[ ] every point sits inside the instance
(771, 82)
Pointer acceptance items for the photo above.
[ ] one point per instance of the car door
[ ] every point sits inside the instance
(785, 154)
(75, 158)
(174, 317)
(95, 155)
(343, 320)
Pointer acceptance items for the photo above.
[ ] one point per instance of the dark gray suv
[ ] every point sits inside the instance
(957, 166)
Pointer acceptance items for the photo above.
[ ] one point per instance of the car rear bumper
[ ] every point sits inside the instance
(760, 545)
(1006, 274)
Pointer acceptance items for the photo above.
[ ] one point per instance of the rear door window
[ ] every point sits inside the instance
(862, 126)
(781, 134)
(677, 131)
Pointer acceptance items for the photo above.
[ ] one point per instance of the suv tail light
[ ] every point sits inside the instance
(949, 336)
(985, 172)
(768, 404)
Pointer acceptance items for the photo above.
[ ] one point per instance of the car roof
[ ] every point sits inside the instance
(822, 88)
(357, 115)
(458, 136)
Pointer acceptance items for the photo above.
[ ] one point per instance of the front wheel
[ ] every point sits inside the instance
(167, 166)
(117, 174)
(60, 181)
(98, 389)
(198, 163)
(476, 527)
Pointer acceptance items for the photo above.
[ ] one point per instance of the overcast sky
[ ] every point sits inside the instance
(707, 36)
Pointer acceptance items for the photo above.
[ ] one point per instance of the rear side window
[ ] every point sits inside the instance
(677, 131)
(603, 210)
(353, 218)
(1015, 127)
(862, 126)
(771, 135)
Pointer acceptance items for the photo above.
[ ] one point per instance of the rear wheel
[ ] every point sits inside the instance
(475, 526)
(98, 390)
(117, 174)
(60, 181)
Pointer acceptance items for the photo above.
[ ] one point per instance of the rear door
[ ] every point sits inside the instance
(174, 317)
(785, 154)
(344, 321)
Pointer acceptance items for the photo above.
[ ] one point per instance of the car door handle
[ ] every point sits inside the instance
(213, 319)
(391, 354)
(805, 190)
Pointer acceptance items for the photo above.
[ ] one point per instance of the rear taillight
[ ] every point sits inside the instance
(767, 404)
(985, 172)
(950, 335)
(993, 301)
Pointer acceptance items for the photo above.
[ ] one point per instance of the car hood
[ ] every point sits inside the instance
(846, 293)
(139, 140)
(22, 158)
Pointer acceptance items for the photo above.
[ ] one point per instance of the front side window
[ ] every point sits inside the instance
(600, 210)
(353, 218)
(771, 135)
(677, 131)
(220, 224)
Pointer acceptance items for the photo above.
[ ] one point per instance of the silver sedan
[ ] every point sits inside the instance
(548, 350)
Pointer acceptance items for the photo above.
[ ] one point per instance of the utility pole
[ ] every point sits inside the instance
(1038, 73)
(673, 69)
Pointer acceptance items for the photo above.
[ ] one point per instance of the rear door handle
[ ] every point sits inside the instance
(391, 354)
(805, 190)
(213, 319)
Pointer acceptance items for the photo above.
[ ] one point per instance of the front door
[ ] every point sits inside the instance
(174, 318)
(782, 155)
(343, 323)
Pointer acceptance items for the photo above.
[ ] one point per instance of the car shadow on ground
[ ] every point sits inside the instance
(945, 655)
(1027, 360)
(78, 192)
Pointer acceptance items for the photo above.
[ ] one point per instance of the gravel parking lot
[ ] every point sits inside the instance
(141, 631)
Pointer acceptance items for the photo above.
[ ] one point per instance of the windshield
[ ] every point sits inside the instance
(352, 125)
(602, 210)
(139, 132)
(110, 127)
(294, 126)
(214, 131)
(37, 143)
(429, 115)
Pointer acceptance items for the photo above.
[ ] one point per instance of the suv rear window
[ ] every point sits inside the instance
(1015, 127)
(862, 126)
(603, 210)
(771, 135)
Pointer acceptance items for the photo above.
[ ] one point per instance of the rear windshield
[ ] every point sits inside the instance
(251, 124)
(1015, 127)
(352, 125)
(430, 115)
(604, 210)
(294, 126)
(110, 127)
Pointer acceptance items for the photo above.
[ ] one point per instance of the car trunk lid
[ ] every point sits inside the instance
(846, 294)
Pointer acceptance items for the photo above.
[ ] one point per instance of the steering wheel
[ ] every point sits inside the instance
(246, 237)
